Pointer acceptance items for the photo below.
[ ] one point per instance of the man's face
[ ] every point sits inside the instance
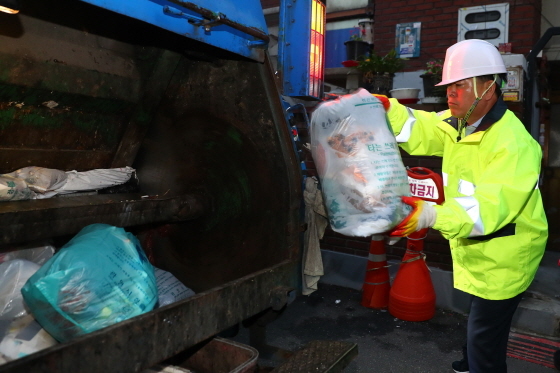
(460, 97)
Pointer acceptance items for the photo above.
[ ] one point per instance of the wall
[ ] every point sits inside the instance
(439, 25)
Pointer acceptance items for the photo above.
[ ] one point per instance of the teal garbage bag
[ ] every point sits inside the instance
(99, 278)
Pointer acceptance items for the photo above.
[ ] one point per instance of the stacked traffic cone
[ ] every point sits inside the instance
(412, 296)
(376, 284)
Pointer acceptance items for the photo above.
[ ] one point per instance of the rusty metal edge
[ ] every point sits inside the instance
(141, 342)
(42, 219)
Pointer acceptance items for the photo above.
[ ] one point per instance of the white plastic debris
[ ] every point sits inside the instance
(36, 254)
(95, 179)
(13, 275)
(24, 337)
(14, 189)
(40, 179)
(50, 104)
(39, 182)
(170, 289)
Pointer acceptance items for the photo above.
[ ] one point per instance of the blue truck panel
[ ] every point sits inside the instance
(237, 30)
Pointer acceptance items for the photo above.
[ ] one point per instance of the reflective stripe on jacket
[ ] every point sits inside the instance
(493, 214)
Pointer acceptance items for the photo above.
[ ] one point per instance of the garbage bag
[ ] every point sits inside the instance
(40, 179)
(24, 336)
(95, 179)
(99, 278)
(13, 275)
(14, 189)
(20, 334)
(40, 183)
(36, 254)
(170, 289)
(359, 165)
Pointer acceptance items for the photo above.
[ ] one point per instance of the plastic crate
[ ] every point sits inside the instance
(223, 356)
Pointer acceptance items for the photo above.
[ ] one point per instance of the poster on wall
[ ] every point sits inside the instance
(407, 39)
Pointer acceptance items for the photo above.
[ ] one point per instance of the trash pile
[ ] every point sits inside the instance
(99, 278)
(39, 183)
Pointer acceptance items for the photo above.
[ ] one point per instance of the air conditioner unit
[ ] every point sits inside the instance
(486, 22)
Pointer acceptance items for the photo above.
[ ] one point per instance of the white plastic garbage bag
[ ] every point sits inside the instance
(39, 182)
(40, 179)
(95, 179)
(14, 189)
(13, 275)
(24, 336)
(20, 334)
(37, 254)
(359, 164)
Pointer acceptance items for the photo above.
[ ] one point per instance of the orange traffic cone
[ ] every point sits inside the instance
(412, 296)
(376, 284)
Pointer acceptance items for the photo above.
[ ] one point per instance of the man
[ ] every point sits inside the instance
(493, 214)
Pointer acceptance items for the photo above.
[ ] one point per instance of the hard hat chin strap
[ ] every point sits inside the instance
(463, 121)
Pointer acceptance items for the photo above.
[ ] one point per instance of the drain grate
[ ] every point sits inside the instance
(320, 357)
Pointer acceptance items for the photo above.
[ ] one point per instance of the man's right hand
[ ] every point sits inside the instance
(384, 100)
(423, 215)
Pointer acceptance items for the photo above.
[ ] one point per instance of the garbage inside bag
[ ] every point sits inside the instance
(20, 334)
(40, 179)
(99, 278)
(13, 275)
(170, 289)
(14, 189)
(39, 182)
(36, 254)
(24, 336)
(359, 165)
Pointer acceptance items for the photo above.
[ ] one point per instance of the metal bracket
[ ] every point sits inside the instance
(197, 21)
(256, 43)
(209, 19)
(208, 24)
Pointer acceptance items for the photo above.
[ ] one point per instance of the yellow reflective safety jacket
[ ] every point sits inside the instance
(493, 214)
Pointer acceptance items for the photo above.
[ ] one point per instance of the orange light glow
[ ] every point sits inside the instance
(317, 48)
(8, 10)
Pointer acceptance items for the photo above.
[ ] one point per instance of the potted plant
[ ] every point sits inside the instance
(356, 47)
(379, 71)
(431, 77)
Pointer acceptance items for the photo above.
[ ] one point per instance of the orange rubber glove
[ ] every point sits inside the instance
(423, 215)
(384, 100)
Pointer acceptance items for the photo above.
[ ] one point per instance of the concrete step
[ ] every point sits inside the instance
(538, 314)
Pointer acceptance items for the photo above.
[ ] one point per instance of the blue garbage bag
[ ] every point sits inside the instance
(99, 278)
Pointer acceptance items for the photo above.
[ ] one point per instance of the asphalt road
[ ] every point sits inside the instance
(385, 344)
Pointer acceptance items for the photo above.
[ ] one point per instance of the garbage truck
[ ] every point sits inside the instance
(186, 94)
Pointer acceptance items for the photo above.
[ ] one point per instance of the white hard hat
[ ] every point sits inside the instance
(469, 58)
